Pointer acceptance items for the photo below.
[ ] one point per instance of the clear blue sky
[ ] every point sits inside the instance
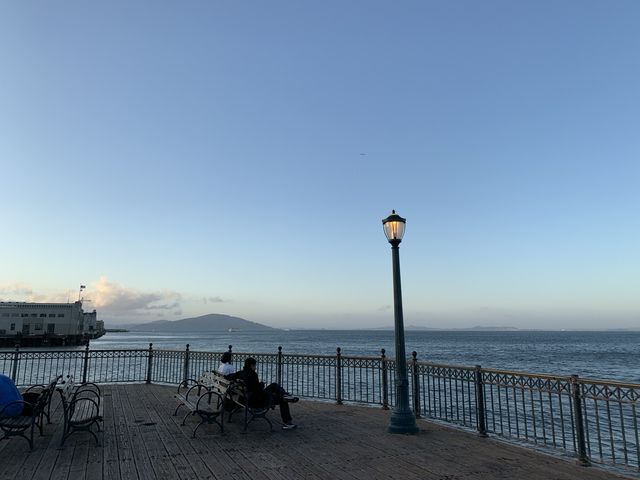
(182, 158)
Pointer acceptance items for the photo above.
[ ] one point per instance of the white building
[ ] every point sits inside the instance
(90, 322)
(37, 323)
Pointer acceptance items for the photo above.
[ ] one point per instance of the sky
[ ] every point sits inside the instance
(183, 158)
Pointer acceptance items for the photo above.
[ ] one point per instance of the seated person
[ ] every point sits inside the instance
(259, 395)
(226, 367)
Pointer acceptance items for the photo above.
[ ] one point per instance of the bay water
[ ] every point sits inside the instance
(610, 355)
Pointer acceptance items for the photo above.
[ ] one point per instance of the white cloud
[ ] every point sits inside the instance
(9, 290)
(206, 300)
(109, 298)
(112, 299)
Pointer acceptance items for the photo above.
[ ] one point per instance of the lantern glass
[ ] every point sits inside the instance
(394, 226)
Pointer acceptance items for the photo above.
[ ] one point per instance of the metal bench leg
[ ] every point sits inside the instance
(246, 419)
(197, 427)
(94, 436)
(184, 420)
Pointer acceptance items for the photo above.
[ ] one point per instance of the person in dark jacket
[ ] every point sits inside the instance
(259, 395)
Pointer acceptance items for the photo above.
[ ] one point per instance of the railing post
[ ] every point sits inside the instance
(150, 363)
(583, 459)
(16, 359)
(481, 413)
(85, 364)
(338, 376)
(185, 373)
(279, 366)
(385, 380)
(416, 384)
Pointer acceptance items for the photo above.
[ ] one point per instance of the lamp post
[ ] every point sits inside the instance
(402, 419)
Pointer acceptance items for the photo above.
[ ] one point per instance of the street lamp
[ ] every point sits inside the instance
(402, 419)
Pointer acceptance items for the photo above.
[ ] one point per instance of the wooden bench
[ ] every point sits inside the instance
(32, 413)
(205, 398)
(185, 387)
(82, 405)
(237, 393)
(32, 394)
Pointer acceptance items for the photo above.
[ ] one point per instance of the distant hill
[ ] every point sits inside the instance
(213, 322)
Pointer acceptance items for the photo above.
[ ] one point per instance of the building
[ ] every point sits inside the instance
(34, 324)
(89, 324)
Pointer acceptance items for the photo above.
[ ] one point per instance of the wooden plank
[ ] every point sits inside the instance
(110, 466)
(125, 454)
(50, 452)
(80, 455)
(186, 470)
(154, 448)
(15, 455)
(95, 461)
(216, 461)
(133, 419)
(63, 462)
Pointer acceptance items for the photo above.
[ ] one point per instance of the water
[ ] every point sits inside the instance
(601, 355)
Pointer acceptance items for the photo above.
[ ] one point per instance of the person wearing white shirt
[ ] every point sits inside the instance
(226, 367)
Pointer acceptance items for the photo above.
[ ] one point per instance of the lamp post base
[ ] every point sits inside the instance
(403, 422)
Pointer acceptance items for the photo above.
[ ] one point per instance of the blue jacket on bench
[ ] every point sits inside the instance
(9, 393)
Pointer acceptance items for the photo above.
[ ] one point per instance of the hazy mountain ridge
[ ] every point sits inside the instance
(213, 322)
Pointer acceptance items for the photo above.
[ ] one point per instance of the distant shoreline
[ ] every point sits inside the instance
(385, 329)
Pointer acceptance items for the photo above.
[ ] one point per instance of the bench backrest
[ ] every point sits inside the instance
(238, 393)
(214, 381)
(67, 389)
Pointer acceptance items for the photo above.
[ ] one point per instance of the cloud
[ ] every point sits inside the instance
(113, 299)
(206, 300)
(384, 308)
(15, 289)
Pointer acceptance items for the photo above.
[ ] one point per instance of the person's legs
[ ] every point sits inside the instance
(285, 413)
(278, 394)
(276, 391)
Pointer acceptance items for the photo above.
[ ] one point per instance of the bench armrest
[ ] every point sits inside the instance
(199, 386)
(95, 408)
(186, 382)
(28, 390)
(219, 400)
(89, 386)
(88, 394)
(34, 411)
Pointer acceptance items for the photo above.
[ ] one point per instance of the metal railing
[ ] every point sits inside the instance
(593, 420)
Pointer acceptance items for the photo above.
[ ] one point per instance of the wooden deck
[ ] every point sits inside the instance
(142, 440)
